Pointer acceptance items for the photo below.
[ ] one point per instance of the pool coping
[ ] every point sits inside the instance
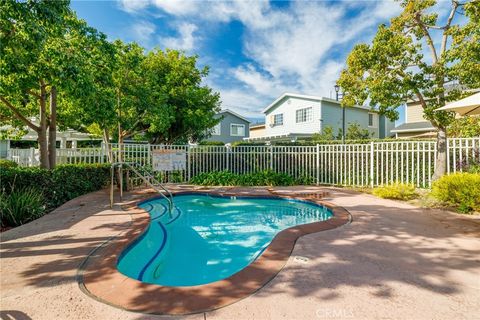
(100, 278)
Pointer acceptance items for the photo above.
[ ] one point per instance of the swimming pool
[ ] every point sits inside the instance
(209, 238)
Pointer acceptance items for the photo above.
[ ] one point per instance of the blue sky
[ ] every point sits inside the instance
(256, 50)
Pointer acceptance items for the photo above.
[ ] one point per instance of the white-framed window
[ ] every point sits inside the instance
(278, 119)
(372, 120)
(237, 130)
(304, 115)
(216, 131)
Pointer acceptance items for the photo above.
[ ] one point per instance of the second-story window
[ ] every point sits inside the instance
(237, 130)
(304, 115)
(278, 119)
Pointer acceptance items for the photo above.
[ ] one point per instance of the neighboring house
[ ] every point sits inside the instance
(65, 139)
(257, 130)
(294, 116)
(233, 127)
(415, 126)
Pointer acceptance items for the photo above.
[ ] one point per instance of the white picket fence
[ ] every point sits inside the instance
(370, 164)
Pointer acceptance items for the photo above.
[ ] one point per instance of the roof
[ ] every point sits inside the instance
(234, 114)
(306, 97)
(414, 127)
(257, 125)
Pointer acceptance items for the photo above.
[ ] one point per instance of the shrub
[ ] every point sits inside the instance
(71, 181)
(227, 178)
(59, 185)
(4, 163)
(398, 191)
(461, 190)
(21, 206)
(304, 180)
(215, 178)
(211, 143)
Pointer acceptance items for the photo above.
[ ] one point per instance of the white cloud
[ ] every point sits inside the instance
(301, 48)
(242, 101)
(178, 7)
(142, 32)
(133, 5)
(186, 39)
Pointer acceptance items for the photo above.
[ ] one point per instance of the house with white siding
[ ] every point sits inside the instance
(292, 116)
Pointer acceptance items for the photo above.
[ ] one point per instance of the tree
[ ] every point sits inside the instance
(42, 51)
(189, 105)
(404, 63)
(91, 107)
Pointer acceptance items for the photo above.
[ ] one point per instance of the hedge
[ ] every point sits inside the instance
(260, 178)
(57, 186)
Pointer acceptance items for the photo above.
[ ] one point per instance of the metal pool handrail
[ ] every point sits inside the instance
(153, 185)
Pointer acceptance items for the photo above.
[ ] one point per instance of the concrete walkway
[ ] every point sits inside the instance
(394, 261)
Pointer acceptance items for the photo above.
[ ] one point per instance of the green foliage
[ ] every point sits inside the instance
(398, 191)
(215, 178)
(21, 206)
(474, 168)
(461, 190)
(226, 178)
(356, 132)
(304, 180)
(247, 143)
(465, 127)
(59, 185)
(191, 105)
(327, 134)
(8, 163)
(465, 49)
(211, 143)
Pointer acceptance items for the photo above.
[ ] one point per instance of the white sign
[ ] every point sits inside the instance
(169, 160)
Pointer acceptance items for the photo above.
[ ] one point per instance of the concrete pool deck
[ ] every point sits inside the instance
(395, 261)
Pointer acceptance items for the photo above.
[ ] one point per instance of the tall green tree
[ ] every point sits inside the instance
(189, 105)
(42, 55)
(404, 62)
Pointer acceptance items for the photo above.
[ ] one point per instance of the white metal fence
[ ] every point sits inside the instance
(370, 164)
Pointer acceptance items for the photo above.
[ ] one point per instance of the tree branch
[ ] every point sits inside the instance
(428, 36)
(33, 93)
(443, 47)
(18, 114)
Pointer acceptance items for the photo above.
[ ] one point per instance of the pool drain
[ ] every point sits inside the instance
(301, 259)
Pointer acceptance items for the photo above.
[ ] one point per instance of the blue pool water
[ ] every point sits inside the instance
(209, 238)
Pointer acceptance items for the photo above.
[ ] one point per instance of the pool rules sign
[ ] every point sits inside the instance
(169, 160)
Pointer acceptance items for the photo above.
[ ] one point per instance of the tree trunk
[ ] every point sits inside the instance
(52, 129)
(441, 160)
(42, 132)
(106, 141)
